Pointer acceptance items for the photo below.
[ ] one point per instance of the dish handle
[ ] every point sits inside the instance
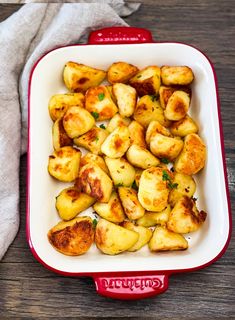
(131, 287)
(120, 35)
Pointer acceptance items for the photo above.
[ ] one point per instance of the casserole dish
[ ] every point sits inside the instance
(140, 274)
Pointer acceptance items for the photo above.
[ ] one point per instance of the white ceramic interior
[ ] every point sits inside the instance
(205, 244)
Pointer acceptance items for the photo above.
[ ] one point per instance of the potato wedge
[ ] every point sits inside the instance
(185, 216)
(112, 239)
(153, 189)
(95, 182)
(165, 147)
(131, 205)
(70, 202)
(137, 134)
(77, 121)
(193, 156)
(166, 92)
(184, 127)
(155, 127)
(126, 97)
(141, 157)
(59, 103)
(179, 75)
(110, 90)
(121, 172)
(150, 219)
(144, 235)
(92, 140)
(165, 240)
(117, 121)
(112, 210)
(94, 158)
(121, 72)
(138, 173)
(73, 237)
(147, 81)
(177, 106)
(117, 143)
(99, 103)
(79, 77)
(59, 136)
(64, 164)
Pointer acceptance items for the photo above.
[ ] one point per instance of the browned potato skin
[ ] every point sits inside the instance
(166, 92)
(59, 136)
(153, 128)
(165, 147)
(94, 158)
(117, 121)
(72, 238)
(184, 127)
(176, 75)
(131, 205)
(137, 134)
(121, 72)
(177, 106)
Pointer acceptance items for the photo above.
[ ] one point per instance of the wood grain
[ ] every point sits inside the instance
(27, 289)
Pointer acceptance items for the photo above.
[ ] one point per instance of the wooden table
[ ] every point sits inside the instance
(27, 289)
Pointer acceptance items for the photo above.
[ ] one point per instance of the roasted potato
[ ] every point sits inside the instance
(180, 75)
(185, 216)
(73, 237)
(165, 147)
(70, 202)
(59, 136)
(153, 189)
(149, 109)
(177, 106)
(94, 158)
(117, 121)
(141, 157)
(121, 172)
(92, 139)
(117, 143)
(147, 81)
(99, 103)
(79, 77)
(186, 186)
(77, 121)
(166, 92)
(64, 164)
(184, 127)
(155, 127)
(121, 72)
(193, 156)
(150, 219)
(144, 235)
(112, 210)
(137, 134)
(112, 239)
(138, 173)
(165, 240)
(95, 182)
(126, 97)
(131, 205)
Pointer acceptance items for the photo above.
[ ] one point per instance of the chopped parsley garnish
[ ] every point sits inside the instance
(102, 126)
(96, 139)
(101, 96)
(166, 177)
(153, 97)
(94, 223)
(95, 114)
(165, 160)
(172, 185)
(119, 185)
(134, 185)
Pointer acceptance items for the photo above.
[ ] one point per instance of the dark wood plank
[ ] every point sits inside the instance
(29, 290)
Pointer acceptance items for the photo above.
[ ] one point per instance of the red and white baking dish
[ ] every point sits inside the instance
(140, 274)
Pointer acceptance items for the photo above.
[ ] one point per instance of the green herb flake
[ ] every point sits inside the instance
(134, 186)
(102, 126)
(165, 160)
(96, 139)
(119, 185)
(153, 97)
(101, 96)
(165, 176)
(94, 223)
(95, 115)
(172, 185)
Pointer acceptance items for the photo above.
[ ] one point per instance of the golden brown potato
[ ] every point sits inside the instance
(193, 156)
(112, 210)
(150, 219)
(137, 134)
(126, 97)
(155, 127)
(64, 164)
(117, 121)
(185, 216)
(131, 205)
(138, 173)
(92, 140)
(144, 235)
(147, 81)
(166, 92)
(165, 147)
(141, 157)
(112, 239)
(73, 237)
(77, 121)
(110, 90)
(70, 202)
(117, 143)
(94, 158)
(149, 109)
(177, 106)
(95, 182)
(121, 72)
(184, 127)
(79, 77)
(165, 240)
(99, 103)
(153, 189)
(121, 172)
(59, 103)
(59, 136)
(186, 186)
(180, 75)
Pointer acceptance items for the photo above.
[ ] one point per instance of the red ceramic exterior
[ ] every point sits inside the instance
(136, 284)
